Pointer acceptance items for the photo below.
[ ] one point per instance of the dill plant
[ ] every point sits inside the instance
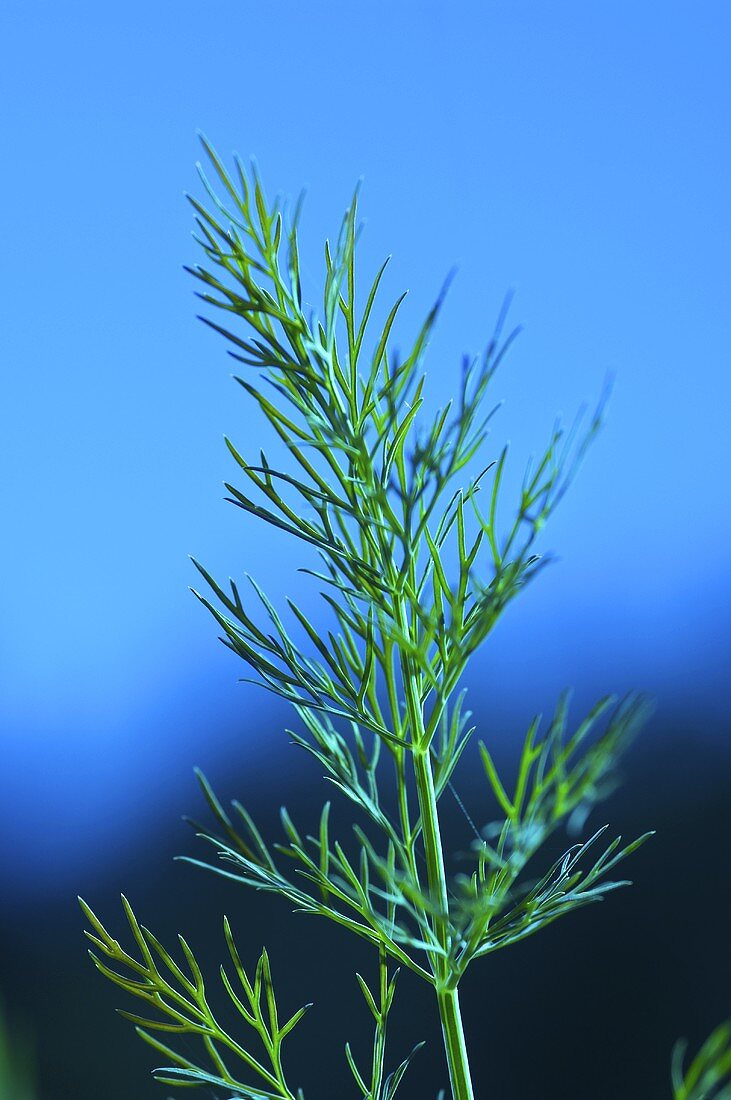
(416, 566)
(17, 1064)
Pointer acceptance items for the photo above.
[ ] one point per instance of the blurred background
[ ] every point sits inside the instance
(577, 154)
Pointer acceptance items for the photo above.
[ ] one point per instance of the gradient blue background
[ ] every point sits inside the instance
(577, 153)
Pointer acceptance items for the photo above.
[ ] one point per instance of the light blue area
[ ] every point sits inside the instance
(576, 152)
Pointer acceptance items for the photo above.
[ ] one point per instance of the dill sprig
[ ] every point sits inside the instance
(416, 564)
(708, 1077)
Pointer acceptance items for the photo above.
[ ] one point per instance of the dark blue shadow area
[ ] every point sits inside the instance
(598, 999)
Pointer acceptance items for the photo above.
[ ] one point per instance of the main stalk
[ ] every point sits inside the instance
(447, 995)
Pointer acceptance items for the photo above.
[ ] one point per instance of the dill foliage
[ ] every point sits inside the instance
(417, 564)
(17, 1064)
(708, 1077)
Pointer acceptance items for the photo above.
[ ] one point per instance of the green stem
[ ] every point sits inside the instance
(454, 1044)
(444, 976)
(447, 996)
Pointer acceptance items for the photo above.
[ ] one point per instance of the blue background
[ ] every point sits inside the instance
(576, 153)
